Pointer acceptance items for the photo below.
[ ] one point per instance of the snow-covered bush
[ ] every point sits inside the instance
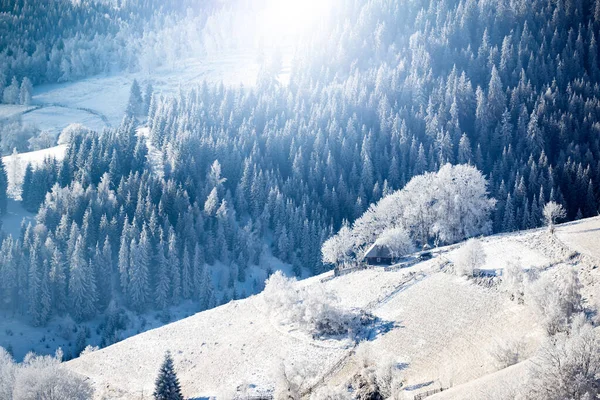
(508, 352)
(40, 377)
(568, 365)
(388, 377)
(469, 257)
(70, 131)
(313, 308)
(555, 298)
(397, 241)
(382, 375)
(291, 381)
(88, 350)
(331, 393)
(42, 141)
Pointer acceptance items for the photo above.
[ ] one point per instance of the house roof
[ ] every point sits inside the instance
(378, 251)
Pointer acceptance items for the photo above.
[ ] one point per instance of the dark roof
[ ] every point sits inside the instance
(378, 251)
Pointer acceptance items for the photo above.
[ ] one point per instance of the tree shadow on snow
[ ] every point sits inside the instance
(375, 328)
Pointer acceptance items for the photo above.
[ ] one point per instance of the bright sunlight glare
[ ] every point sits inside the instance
(289, 18)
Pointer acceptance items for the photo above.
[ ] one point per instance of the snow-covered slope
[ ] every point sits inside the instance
(442, 328)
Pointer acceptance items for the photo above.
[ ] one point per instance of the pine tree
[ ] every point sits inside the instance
(124, 258)
(3, 189)
(11, 93)
(82, 286)
(197, 274)
(26, 92)
(167, 384)
(591, 208)
(135, 105)
(465, 154)
(174, 269)
(509, 222)
(161, 291)
(34, 282)
(139, 287)
(58, 281)
(187, 288)
(148, 93)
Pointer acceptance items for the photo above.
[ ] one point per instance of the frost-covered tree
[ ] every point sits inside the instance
(568, 366)
(11, 92)
(3, 188)
(135, 104)
(139, 285)
(513, 280)
(469, 257)
(43, 377)
(447, 206)
(82, 284)
(556, 298)
(167, 385)
(397, 241)
(26, 92)
(339, 249)
(552, 213)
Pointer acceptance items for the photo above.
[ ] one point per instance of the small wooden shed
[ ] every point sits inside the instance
(378, 255)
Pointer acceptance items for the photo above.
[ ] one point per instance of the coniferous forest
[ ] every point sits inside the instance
(384, 92)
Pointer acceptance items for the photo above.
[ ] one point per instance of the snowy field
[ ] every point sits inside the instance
(10, 110)
(15, 214)
(107, 95)
(582, 236)
(54, 119)
(441, 328)
(501, 250)
(16, 165)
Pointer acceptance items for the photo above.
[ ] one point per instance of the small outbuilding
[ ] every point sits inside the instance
(378, 254)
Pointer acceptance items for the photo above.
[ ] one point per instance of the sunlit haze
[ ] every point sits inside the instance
(287, 19)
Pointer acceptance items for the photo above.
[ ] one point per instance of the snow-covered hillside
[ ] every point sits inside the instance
(441, 328)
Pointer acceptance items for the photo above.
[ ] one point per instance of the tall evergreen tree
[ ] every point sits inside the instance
(82, 286)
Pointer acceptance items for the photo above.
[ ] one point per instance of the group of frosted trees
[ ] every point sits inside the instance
(442, 208)
(18, 94)
(40, 377)
(63, 41)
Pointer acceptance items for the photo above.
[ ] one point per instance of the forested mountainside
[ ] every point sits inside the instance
(59, 41)
(384, 91)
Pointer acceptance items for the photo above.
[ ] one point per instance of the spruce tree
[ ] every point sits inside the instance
(163, 282)
(82, 285)
(26, 92)
(3, 188)
(139, 287)
(167, 384)
(135, 105)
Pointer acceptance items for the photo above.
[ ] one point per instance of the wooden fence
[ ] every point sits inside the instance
(428, 393)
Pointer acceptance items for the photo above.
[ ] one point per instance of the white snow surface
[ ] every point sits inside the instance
(442, 328)
(54, 119)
